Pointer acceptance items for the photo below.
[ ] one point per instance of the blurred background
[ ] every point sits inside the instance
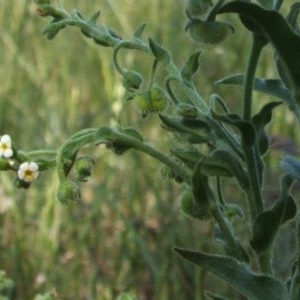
(119, 238)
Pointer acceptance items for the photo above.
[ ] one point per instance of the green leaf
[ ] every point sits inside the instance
(139, 31)
(194, 131)
(191, 66)
(259, 121)
(273, 87)
(279, 32)
(188, 157)
(246, 128)
(254, 286)
(104, 134)
(217, 164)
(94, 18)
(159, 52)
(267, 224)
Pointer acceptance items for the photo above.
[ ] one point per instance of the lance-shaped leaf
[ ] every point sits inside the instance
(92, 21)
(194, 131)
(259, 121)
(188, 157)
(246, 129)
(160, 53)
(218, 163)
(292, 21)
(191, 66)
(281, 35)
(273, 87)
(139, 31)
(232, 166)
(252, 285)
(267, 224)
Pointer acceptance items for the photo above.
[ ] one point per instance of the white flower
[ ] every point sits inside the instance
(5, 146)
(28, 171)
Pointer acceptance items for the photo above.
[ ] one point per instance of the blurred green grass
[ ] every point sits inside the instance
(120, 237)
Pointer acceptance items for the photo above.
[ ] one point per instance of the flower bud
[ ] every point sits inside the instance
(68, 191)
(21, 184)
(166, 173)
(195, 8)
(101, 41)
(132, 80)
(208, 33)
(151, 101)
(83, 168)
(5, 165)
(191, 209)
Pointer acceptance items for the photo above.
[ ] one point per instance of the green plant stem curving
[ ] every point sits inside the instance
(153, 152)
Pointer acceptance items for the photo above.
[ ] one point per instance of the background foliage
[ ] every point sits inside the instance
(120, 237)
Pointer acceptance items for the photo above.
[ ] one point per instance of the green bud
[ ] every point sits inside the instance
(153, 100)
(195, 8)
(132, 80)
(232, 210)
(101, 41)
(167, 173)
(83, 168)
(68, 191)
(208, 33)
(191, 209)
(5, 165)
(20, 184)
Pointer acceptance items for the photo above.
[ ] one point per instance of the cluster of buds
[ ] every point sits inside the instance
(27, 171)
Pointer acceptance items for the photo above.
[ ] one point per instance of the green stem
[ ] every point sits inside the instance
(255, 197)
(152, 73)
(151, 151)
(227, 233)
(265, 262)
(73, 144)
(219, 191)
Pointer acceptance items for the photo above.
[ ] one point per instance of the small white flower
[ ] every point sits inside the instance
(28, 171)
(5, 146)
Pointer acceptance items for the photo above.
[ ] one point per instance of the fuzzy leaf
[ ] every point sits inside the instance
(191, 66)
(279, 32)
(159, 52)
(194, 131)
(267, 224)
(273, 87)
(259, 121)
(139, 31)
(188, 157)
(246, 128)
(252, 285)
